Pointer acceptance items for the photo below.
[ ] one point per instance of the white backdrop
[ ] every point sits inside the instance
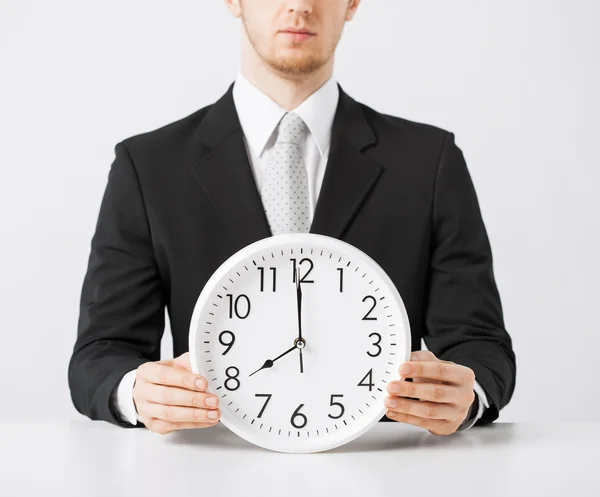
(516, 81)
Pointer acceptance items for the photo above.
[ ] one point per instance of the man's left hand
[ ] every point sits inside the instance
(444, 389)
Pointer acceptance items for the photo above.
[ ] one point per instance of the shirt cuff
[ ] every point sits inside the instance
(122, 399)
(482, 405)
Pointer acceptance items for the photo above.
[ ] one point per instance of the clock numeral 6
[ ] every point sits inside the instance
(268, 395)
(366, 316)
(232, 377)
(229, 343)
(302, 280)
(368, 376)
(296, 415)
(262, 277)
(376, 344)
(332, 403)
(233, 307)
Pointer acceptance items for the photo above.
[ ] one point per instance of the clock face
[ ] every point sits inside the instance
(298, 335)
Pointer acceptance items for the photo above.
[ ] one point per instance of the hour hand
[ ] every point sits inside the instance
(269, 363)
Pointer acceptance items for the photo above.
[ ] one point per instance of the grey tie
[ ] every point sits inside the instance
(284, 191)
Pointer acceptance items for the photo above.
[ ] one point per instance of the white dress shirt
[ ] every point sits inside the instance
(259, 117)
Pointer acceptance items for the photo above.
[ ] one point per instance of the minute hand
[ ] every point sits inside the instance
(299, 300)
(299, 341)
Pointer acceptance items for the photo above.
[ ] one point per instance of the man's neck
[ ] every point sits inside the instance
(286, 91)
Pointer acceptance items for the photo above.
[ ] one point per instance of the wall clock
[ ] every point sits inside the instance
(298, 334)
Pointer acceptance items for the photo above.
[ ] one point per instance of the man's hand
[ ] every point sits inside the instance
(444, 389)
(169, 396)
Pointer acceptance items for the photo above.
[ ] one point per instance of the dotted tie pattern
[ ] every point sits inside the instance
(284, 192)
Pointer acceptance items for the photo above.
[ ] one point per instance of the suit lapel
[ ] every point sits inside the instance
(223, 171)
(225, 174)
(350, 175)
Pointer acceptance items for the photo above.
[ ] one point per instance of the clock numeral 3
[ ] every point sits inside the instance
(303, 279)
(376, 344)
(297, 415)
(232, 378)
(368, 376)
(366, 316)
(262, 277)
(228, 344)
(268, 395)
(234, 307)
(332, 403)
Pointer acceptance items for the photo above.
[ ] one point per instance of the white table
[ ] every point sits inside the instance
(85, 458)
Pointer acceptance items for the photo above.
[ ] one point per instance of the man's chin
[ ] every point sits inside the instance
(296, 65)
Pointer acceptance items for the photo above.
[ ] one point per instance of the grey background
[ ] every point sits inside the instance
(516, 81)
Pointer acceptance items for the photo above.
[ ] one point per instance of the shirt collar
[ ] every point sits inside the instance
(259, 115)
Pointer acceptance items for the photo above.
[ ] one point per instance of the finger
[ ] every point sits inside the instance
(161, 374)
(174, 396)
(178, 414)
(426, 380)
(422, 409)
(422, 355)
(434, 392)
(163, 427)
(438, 426)
(438, 370)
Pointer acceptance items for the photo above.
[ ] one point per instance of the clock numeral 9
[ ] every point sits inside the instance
(366, 316)
(376, 344)
(368, 376)
(332, 403)
(268, 395)
(234, 307)
(229, 343)
(302, 280)
(232, 378)
(262, 277)
(296, 415)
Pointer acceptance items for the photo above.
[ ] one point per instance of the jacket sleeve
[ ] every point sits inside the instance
(121, 314)
(464, 320)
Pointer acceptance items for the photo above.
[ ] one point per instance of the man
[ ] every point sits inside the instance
(183, 198)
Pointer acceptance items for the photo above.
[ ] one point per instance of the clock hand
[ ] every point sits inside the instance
(299, 341)
(269, 363)
(299, 301)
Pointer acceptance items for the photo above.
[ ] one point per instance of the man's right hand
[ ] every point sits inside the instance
(169, 396)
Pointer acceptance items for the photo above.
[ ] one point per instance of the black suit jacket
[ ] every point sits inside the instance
(181, 199)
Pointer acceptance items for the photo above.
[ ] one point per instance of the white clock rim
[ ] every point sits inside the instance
(307, 445)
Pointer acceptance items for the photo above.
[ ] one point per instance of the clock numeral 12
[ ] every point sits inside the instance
(262, 277)
(302, 280)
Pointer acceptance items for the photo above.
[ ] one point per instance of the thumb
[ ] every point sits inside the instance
(181, 362)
